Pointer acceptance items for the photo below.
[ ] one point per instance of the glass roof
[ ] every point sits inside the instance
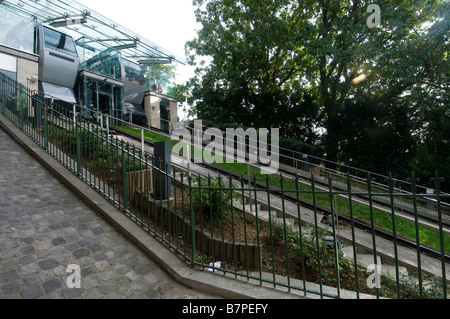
(93, 30)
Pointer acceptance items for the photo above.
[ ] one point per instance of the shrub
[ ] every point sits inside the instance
(213, 195)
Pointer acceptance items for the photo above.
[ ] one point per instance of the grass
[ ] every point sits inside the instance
(403, 227)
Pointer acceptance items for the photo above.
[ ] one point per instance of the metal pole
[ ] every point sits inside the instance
(249, 184)
(142, 139)
(107, 124)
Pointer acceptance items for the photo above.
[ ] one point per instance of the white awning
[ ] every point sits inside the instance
(57, 92)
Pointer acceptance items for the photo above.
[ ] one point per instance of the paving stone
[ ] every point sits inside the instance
(48, 263)
(29, 269)
(138, 285)
(26, 259)
(151, 294)
(32, 292)
(59, 270)
(44, 228)
(27, 240)
(52, 285)
(88, 283)
(42, 245)
(101, 265)
(32, 280)
(106, 275)
(27, 249)
(106, 288)
(70, 293)
(58, 241)
(131, 275)
(81, 252)
(10, 288)
(121, 269)
(93, 293)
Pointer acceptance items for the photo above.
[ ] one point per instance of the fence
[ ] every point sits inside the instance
(322, 238)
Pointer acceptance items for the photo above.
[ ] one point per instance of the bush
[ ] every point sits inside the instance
(213, 195)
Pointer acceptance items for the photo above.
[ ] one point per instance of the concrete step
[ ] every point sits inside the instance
(390, 272)
(364, 260)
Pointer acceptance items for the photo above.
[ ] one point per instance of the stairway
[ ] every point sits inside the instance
(366, 261)
(364, 258)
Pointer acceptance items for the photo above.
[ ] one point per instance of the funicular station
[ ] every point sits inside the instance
(74, 56)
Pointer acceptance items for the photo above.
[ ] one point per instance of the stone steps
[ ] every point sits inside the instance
(367, 261)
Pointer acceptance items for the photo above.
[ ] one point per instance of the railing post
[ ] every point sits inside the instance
(416, 223)
(193, 234)
(313, 189)
(77, 132)
(352, 222)
(372, 224)
(45, 126)
(20, 104)
(2, 91)
(125, 182)
(394, 234)
(441, 232)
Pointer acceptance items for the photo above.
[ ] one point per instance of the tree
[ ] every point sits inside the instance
(406, 92)
(304, 64)
(388, 59)
(253, 78)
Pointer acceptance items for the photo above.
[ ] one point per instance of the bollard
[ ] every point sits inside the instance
(162, 181)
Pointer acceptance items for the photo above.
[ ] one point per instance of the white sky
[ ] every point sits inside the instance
(167, 23)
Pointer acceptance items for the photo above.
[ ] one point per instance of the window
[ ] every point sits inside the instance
(133, 72)
(59, 41)
(16, 30)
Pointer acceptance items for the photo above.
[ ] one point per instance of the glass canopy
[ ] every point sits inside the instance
(92, 31)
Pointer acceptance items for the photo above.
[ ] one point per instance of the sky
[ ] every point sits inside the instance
(167, 23)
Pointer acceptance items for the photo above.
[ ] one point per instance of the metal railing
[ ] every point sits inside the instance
(315, 241)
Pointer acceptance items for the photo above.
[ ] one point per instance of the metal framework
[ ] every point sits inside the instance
(91, 27)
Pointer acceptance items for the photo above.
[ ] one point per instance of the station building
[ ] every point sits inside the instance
(70, 54)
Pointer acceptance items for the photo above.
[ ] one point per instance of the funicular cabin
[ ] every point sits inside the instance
(58, 64)
(74, 56)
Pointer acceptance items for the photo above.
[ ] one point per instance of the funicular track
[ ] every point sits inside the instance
(338, 189)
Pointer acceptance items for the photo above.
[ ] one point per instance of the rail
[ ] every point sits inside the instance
(209, 222)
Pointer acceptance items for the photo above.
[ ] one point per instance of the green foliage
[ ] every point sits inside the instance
(302, 249)
(213, 195)
(251, 80)
(311, 250)
(88, 140)
(432, 287)
(292, 64)
(92, 145)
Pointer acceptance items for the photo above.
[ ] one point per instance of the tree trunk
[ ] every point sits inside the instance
(333, 135)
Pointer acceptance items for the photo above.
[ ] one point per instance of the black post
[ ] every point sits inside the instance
(37, 104)
(161, 173)
(305, 162)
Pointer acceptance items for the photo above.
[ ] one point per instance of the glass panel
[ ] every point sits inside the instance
(164, 106)
(91, 94)
(8, 63)
(133, 72)
(160, 78)
(58, 92)
(16, 30)
(9, 74)
(118, 110)
(97, 27)
(59, 41)
(106, 63)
